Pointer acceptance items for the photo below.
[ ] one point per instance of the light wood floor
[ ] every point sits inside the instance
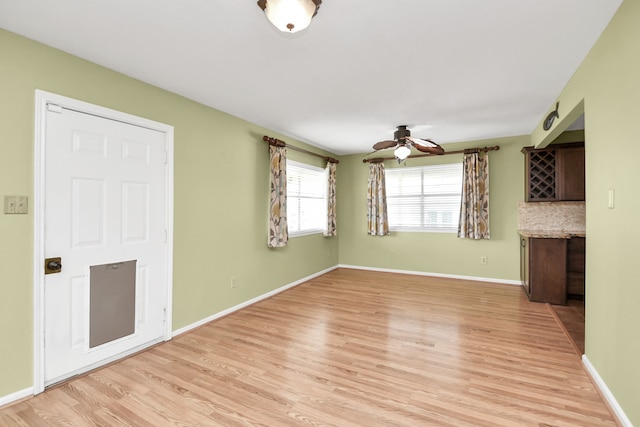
(572, 317)
(349, 348)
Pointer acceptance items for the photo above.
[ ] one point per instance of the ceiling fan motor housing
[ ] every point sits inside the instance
(401, 133)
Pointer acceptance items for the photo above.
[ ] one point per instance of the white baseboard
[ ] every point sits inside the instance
(613, 403)
(423, 273)
(10, 398)
(297, 282)
(249, 302)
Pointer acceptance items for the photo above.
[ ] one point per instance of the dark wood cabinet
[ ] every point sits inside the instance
(547, 268)
(524, 264)
(575, 267)
(555, 173)
(551, 269)
(570, 173)
(552, 264)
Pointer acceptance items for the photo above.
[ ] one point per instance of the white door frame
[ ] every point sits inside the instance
(42, 99)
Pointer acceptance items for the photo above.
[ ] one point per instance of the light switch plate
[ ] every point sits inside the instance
(16, 204)
(612, 199)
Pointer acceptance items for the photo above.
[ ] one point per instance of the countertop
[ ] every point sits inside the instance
(552, 234)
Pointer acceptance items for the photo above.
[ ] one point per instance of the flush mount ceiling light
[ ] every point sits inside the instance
(290, 16)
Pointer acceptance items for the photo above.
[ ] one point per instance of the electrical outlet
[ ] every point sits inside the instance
(22, 204)
(16, 204)
(483, 260)
(9, 205)
(234, 282)
(392, 254)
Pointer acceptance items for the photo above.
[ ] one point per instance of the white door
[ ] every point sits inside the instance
(104, 210)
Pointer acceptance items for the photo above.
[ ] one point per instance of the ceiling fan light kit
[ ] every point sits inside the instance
(401, 153)
(290, 16)
(403, 141)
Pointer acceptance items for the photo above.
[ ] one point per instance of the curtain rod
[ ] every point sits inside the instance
(465, 151)
(280, 143)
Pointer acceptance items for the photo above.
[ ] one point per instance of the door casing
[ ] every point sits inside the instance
(42, 99)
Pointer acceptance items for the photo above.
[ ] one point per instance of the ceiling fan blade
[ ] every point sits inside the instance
(384, 144)
(431, 150)
(423, 142)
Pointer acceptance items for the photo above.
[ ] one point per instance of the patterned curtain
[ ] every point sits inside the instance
(378, 224)
(474, 209)
(332, 229)
(278, 234)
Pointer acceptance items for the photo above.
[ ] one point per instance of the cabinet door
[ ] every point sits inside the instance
(524, 264)
(570, 174)
(548, 270)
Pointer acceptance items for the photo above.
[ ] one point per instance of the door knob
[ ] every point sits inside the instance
(52, 265)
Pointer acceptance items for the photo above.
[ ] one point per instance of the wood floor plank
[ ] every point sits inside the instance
(348, 348)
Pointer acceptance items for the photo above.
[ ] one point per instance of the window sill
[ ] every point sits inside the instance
(423, 230)
(305, 233)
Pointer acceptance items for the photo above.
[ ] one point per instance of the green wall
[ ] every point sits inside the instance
(607, 88)
(440, 253)
(221, 202)
(221, 197)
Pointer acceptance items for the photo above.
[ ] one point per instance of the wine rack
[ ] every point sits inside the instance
(542, 175)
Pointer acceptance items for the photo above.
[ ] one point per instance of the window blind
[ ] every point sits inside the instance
(306, 198)
(425, 198)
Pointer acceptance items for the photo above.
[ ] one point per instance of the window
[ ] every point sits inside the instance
(306, 199)
(424, 198)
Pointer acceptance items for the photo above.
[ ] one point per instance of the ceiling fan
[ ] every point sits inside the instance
(403, 141)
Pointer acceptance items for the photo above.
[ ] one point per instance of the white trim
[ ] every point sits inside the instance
(10, 398)
(168, 229)
(609, 397)
(424, 273)
(38, 241)
(249, 302)
(42, 98)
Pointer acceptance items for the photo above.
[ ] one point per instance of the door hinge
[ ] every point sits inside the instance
(166, 157)
(54, 108)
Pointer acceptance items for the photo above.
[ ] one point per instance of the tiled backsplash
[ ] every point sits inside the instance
(566, 217)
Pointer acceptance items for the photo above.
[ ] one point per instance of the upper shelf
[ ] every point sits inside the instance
(555, 173)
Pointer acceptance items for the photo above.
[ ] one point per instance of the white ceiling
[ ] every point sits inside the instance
(453, 70)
